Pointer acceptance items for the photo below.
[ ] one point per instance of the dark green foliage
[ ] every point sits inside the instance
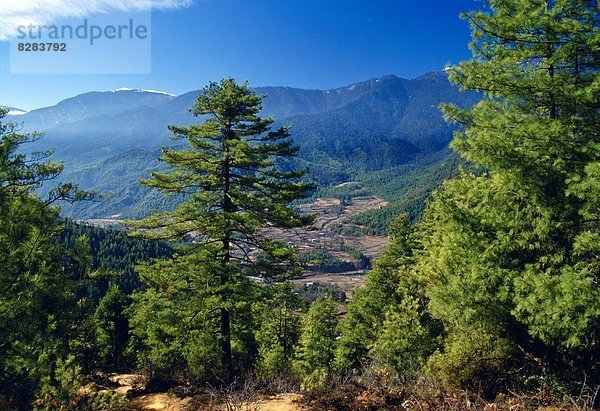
(37, 291)
(112, 328)
(508, 245)
(505, 260)
(311, 292)
(362, 261)
(278, 332)
(83, 336)
(175, 321)
(408, 189)
(322, 260)
(113, 250)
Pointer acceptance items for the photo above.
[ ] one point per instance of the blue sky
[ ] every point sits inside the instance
(299, 43)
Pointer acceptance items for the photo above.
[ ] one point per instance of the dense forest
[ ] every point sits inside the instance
(112, 251)
(488, 296)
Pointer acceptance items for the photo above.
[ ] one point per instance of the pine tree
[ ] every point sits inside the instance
(511, 255)
(278, 331)
(37, 290)
(366, 310)
(112, 328)
(388, 324)
(317, 343)
(235, 184)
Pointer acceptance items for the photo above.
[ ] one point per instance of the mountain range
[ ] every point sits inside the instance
(374, 132)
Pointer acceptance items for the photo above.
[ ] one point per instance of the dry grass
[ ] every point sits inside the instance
(381, 392)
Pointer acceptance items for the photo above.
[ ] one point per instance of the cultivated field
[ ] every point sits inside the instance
(320, 239)
(330, 212)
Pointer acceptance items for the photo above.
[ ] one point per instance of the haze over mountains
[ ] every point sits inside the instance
(374, 132)
(13, 111)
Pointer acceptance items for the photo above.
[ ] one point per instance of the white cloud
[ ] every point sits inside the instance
(14, 13)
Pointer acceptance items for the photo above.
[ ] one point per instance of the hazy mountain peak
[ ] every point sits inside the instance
(440, 74)
(137, 90)
(369, 83)
(13, 111)
(386, 78)
(94, 104)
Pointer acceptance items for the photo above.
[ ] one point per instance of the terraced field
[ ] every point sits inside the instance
(343, 269)
(330, 213)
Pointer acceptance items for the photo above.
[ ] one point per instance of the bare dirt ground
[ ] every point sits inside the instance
(125, 382)
(171, 402)
(281, 402)
(159, 401)
(328, 213)
(155, 401)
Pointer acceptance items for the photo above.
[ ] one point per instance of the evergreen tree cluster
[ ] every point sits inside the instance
(45, 314)
(497, 287)
(113, 250)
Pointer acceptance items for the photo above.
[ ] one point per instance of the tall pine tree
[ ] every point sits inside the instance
(235, 186)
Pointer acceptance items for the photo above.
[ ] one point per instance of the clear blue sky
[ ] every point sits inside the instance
(299, 43)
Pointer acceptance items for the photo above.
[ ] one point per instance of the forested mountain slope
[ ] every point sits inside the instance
(382, 132)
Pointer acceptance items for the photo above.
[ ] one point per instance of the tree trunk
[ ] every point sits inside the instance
(226, 343)
(225, 314)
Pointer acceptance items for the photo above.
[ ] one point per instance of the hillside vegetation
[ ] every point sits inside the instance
(489, 300)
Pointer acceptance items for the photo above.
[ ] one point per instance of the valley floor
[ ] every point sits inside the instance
(326, 235)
